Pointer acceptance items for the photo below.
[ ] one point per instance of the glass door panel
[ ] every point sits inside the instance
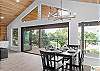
(91, 35)
(57, 37)
(26, 41)
(92, 41)
(35, 39)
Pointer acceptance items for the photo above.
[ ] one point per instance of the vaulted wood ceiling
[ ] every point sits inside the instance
(10, 9)
(33, 15)
(91, 1)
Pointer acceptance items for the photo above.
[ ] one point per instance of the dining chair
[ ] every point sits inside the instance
(52, 61)
(75, 47)
(77, 63)
(50, 47)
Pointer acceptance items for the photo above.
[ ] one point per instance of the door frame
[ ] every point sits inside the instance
(83, 24)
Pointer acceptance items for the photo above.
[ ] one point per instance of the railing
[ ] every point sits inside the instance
(92, 48)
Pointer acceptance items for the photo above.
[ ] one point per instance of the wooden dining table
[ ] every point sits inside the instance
(70, 54)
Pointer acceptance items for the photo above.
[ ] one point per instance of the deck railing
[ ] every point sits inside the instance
(92, 47)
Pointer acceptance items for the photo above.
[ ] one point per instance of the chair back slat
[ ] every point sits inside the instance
(48, 59)
(75, 47)
(51, 60)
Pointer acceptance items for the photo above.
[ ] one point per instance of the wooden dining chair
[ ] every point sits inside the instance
(52, 61)
(75, 47)
(50, 47)
(77, 63)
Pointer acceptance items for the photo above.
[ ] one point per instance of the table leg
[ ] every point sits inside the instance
(80, 64)
(70, 63)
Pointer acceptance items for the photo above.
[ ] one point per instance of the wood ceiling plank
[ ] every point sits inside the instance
(7, 21)
(11, 7)
(15, 4)
(7, 13)
(7, 17)
(3, 13)
(5, 9)
(91, 1)
(2, 24)
(33, 15)
(46, 9)
(22, 2)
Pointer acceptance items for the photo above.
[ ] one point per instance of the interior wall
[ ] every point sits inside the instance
(84, 13)
(99, 13)
(73, 33)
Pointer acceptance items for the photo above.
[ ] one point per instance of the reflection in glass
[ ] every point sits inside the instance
(15, 37)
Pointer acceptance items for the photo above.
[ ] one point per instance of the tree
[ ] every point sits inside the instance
(60, 36)
(90, 37)
(44, 38)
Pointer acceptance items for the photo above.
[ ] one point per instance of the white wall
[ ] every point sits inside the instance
(73, 32)
(99, 13)
(85, 12)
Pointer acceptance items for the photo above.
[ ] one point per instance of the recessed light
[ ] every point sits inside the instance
(2, 17)
(17, 1)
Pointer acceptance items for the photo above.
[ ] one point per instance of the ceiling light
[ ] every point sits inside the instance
(61, 14)
(17, 1)
(2, 17)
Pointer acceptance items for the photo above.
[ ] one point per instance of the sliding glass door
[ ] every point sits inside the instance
(89, 35)
(38, 38)
(30, 39)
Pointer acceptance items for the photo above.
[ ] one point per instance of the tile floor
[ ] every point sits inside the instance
(19, 61)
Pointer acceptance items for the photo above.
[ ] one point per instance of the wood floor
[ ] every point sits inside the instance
(25, 62)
